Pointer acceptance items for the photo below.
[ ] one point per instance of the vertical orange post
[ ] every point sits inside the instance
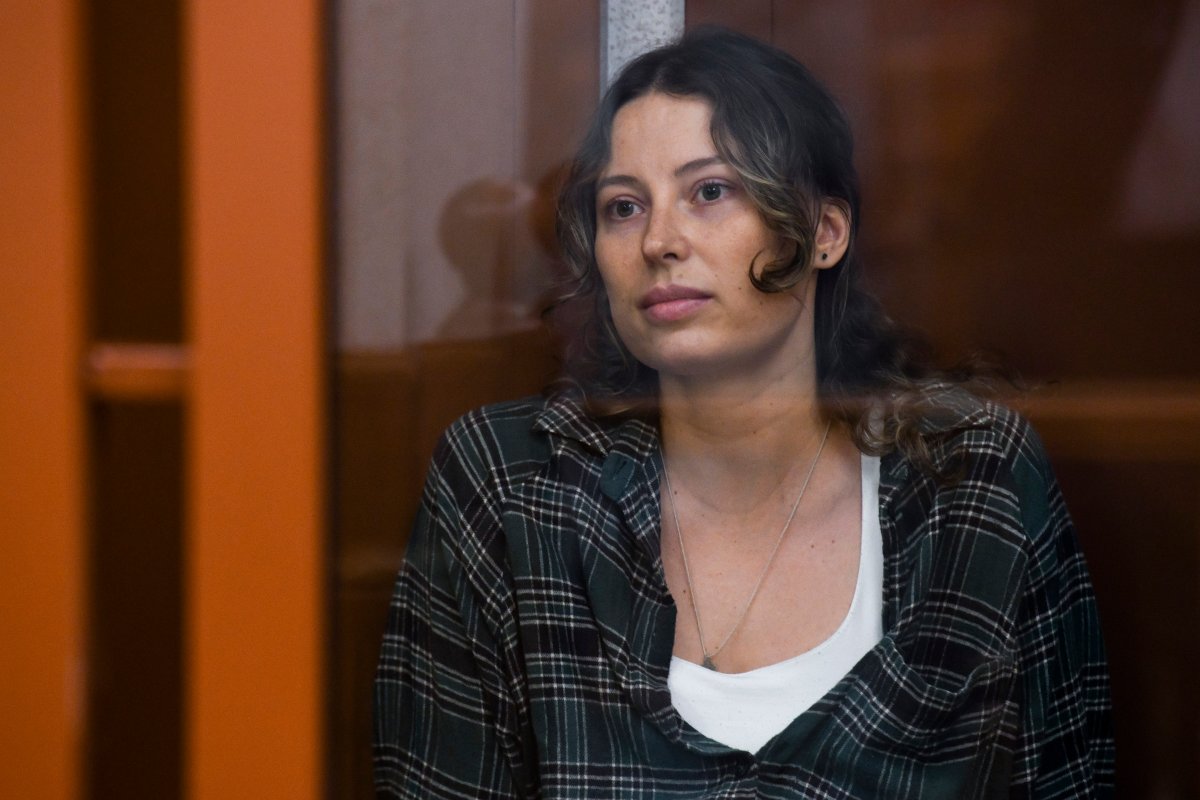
(41, 427)
(256, 513)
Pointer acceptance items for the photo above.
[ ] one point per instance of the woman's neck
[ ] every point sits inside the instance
(738, 443)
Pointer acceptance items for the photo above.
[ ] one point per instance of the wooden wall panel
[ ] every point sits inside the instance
(756, 17)
(1127, 455)
(1139, 523)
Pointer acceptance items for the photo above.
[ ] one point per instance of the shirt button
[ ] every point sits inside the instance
(615, 475)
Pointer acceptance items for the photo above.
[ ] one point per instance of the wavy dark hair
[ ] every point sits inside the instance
(790, 144)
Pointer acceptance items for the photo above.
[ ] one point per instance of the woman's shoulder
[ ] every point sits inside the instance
(494, 435)
(994, 484)
(487, 455)
(531, 422)
(509, 418)
(997, 456)
(960, 424)
(522, 430)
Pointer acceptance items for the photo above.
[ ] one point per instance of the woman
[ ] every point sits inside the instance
(756, 548)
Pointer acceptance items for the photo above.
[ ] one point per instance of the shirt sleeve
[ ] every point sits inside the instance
(443, 718)
(1065, 747)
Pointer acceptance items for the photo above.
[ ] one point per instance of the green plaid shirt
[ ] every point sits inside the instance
(531, 630)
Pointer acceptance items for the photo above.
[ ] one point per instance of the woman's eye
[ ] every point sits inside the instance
(711, 191)
(623, 209)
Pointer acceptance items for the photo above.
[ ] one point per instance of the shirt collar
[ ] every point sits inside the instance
(564, 415)
(950, 408)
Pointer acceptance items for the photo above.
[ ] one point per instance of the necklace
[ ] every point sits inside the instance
(709, 655)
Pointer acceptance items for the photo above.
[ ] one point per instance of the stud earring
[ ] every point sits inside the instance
(824, 256)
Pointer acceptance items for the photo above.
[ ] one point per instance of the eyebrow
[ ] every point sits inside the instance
(698, 163)
(629, 180)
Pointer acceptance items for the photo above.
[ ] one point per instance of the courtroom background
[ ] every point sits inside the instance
(255, 256)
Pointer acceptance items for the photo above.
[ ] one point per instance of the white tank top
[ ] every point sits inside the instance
(745, 709)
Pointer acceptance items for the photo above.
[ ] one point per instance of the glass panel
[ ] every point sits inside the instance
(134, 213)
(452, 120)
(135, 647)
(1006, 171)
(1148, 594)
(1031, 184)
(134, 681)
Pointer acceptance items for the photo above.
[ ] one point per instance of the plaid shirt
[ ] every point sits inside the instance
(531, 631)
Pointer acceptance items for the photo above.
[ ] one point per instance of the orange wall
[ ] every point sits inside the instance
(41, 494)
(255, 538)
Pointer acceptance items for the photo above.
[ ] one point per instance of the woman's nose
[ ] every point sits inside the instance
(663, 239)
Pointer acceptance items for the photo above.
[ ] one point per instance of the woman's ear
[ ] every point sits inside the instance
(833, 235)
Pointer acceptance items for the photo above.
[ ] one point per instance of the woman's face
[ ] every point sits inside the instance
(676, 233)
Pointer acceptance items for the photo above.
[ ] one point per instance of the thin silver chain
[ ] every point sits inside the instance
(687, 571)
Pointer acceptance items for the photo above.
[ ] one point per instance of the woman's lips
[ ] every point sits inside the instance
(672, 303)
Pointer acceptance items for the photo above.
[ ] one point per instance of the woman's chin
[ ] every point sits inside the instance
(693, 367)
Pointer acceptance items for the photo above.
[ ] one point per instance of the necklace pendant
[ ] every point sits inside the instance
(708, 664)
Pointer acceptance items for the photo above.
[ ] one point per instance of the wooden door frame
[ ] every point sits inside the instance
(255, 555)
(42, 497)
(253, 381)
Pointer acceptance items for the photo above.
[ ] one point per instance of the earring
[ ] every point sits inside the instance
(824, 256)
